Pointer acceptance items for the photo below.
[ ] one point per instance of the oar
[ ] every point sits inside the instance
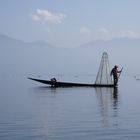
(120, 72)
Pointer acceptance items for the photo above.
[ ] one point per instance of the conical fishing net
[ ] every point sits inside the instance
(103, 75)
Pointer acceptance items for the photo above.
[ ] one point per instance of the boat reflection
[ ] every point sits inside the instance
(44, 91)
(108, 104)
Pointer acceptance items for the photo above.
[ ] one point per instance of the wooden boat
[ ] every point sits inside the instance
(67, 84)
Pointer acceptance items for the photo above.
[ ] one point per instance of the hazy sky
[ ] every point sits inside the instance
(68, 23)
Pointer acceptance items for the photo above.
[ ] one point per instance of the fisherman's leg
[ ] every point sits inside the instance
(116, 81)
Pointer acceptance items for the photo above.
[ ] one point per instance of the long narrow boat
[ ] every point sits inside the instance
(67, 84)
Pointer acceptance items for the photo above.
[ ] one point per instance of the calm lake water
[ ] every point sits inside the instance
(32, 111)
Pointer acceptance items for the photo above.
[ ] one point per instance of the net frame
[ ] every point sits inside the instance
(103, 76)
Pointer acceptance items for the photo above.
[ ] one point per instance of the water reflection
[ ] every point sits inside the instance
(108, 104)
(107, 100)
(115, 97)
(45, 88)
(43, 91)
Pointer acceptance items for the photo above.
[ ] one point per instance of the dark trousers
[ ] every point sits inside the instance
(115, 80)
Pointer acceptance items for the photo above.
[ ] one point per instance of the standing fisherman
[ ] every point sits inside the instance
(115, 72)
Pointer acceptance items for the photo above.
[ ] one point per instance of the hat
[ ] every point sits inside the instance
(116, 66)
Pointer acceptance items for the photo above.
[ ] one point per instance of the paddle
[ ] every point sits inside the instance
(120, 72)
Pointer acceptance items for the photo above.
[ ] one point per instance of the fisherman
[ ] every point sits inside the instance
(115, 72)
(53, 80)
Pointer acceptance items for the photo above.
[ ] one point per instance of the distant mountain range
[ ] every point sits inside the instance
(9, 41)
(17, 55)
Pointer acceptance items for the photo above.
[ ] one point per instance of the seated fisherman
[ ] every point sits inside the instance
(53, 80)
